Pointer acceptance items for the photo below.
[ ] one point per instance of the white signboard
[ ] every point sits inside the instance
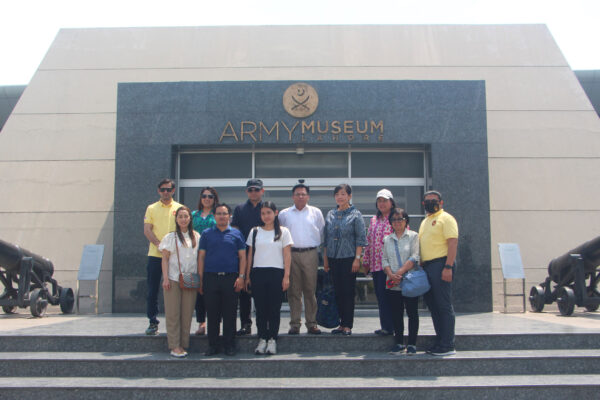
(91, 262)
(510, 258)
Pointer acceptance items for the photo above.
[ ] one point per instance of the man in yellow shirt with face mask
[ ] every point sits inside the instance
(438, 240)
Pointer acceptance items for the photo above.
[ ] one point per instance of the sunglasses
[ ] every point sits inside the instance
(252, 189)
(166, 189)
(208, 196)
(397, 219)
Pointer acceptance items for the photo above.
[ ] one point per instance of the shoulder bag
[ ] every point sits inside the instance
(414, 282)
(188, 280)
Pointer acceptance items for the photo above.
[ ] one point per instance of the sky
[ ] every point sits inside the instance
(28, 27)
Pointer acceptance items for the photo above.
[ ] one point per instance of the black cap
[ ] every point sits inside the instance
(254, 183)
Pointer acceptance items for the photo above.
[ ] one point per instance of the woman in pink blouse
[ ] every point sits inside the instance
(378, 229)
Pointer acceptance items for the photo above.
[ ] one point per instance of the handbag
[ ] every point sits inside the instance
(414, 282)
(327, 311)
(187, 280)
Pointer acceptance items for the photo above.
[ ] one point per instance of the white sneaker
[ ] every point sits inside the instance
(262, 347)
(271, 347)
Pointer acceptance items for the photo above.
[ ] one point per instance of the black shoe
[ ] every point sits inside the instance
(230, 351)
(246, 330)
(337, 331)
(313, 330)
(294, 331)
(440, 351)
(211, 351)
(382, 332)
(432, 348)
(152, 329)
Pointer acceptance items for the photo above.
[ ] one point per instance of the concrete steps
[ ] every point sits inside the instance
(146, 365)
(295, 344)
(356, 388)
(560, 365)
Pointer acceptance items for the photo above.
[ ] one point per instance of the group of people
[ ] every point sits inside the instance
(258, 252)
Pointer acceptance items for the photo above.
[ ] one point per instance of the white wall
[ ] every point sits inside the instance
(57, 149)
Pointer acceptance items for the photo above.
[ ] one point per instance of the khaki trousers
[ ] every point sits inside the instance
(303, 281)
(179, 307)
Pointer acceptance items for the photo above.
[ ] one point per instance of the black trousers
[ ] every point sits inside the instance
(397, 303)
(268, 296)
(200, 310)
(220, 300)
(439, 302)
(344, 282)
(245, 308)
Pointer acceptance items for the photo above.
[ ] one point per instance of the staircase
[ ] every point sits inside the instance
(504, 366)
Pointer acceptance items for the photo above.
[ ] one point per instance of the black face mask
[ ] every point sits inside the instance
(431, 206)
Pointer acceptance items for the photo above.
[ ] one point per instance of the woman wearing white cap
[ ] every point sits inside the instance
(379, 228)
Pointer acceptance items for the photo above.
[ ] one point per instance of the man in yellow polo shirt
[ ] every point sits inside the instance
(438, 240)
(158, 221)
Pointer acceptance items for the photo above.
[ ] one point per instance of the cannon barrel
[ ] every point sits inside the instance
(559, 269)
(11, 256)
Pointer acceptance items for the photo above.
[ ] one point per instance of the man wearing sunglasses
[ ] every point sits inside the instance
(158, 221)
(245, 217)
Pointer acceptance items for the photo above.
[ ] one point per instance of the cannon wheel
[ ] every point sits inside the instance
(38, 303)
(9, 309)
(66, 300)
(566, 300)
(536, 298)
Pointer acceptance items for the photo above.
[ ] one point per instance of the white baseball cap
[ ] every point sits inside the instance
(386, 194)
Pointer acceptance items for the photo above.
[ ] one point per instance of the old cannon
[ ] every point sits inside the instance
(576, 277)
(35, 287)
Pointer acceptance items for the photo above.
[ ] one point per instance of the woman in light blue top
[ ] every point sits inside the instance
(401, 254)
(344, 239)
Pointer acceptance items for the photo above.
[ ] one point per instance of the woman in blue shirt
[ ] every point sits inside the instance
(345, 238)
(204, 218)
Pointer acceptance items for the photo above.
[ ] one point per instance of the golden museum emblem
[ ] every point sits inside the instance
(300, 100)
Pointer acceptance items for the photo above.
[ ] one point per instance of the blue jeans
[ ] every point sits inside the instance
(385, 311)
(439, 302)
(154, 275)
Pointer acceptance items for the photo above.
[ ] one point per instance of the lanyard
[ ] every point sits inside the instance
(397, 253)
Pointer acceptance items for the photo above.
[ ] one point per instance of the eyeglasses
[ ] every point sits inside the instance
(253, 189)
(300, 194)
(221, 214)
(398, 219)
(208, 196)
(166, 189)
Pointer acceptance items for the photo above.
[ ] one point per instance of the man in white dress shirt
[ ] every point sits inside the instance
(306, 224)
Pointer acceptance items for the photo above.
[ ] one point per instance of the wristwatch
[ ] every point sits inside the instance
(357, 257)
(243, 276)
(447, 266)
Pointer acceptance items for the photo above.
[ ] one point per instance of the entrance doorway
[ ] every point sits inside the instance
(404, 171)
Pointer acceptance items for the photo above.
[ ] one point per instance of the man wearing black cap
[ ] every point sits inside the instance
(245, 217)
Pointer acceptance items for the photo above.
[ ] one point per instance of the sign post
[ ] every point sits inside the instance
(89, 270)
(512, 268)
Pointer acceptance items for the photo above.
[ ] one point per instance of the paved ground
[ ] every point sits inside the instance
(366, 321)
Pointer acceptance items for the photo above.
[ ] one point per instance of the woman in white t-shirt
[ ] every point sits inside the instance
(269, 259)
(179, 253)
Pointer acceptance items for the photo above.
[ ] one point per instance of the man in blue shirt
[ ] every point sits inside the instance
(221, 266)
(245, 217)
